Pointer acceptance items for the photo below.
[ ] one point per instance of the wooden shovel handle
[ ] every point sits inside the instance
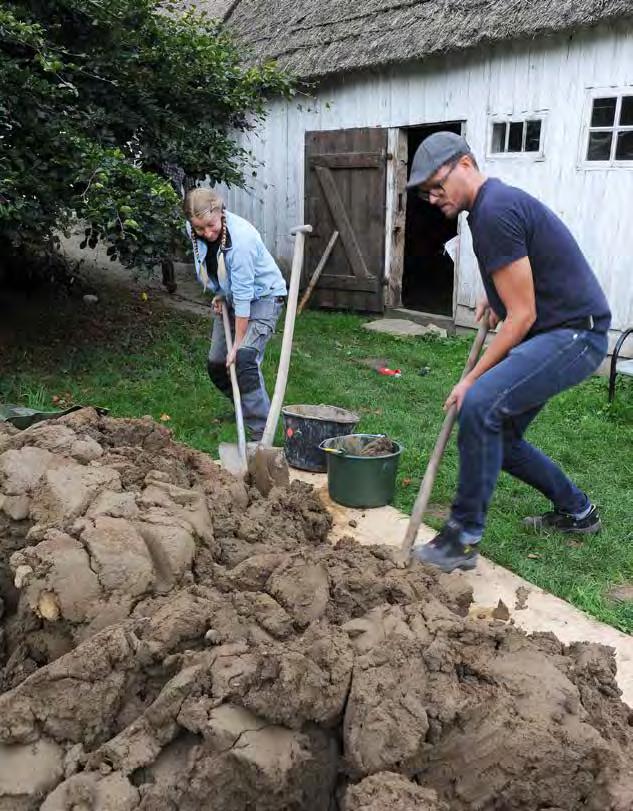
(300, 232)
(237, 399)
(422, 501)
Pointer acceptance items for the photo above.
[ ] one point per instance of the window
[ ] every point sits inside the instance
(517, 137)
(610, 128)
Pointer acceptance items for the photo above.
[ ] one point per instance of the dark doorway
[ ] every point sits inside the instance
(428, 273)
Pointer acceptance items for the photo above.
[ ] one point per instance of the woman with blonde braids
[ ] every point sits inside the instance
(232, 262)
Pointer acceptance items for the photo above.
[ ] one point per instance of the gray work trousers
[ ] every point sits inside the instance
(261, 325)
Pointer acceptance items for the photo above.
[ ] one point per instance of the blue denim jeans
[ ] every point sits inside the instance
(496, 412)
(261, 326)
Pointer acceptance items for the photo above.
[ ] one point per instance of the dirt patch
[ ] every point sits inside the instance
(387, 790)
(121, 322)
(522, 594)
(621, 594)
(375, 363)
(172, 641)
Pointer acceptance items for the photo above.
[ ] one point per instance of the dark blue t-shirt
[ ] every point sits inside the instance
(508, 224)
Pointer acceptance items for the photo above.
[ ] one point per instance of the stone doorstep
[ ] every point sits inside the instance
(403, 328)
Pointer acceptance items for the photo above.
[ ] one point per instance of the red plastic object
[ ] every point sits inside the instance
(383, 370)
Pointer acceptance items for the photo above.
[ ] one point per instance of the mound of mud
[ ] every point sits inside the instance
(171, 641)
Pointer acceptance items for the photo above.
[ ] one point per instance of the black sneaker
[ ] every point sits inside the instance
(446, 551)
(563, 522)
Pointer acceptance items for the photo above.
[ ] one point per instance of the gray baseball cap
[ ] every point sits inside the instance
(433, 152)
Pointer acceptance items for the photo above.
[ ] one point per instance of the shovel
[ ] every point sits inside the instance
(233, 457)
(421, 502)
(269, 466)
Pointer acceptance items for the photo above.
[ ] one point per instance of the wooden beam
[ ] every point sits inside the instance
(352, 283)
(349, 160)
(396, 212)
(317, 272)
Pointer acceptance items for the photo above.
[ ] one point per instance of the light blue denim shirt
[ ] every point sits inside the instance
(251, 271)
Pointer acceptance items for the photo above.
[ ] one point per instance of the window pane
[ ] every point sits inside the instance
(533, 136)
(498, 137)
(603, 113)
(624, 148)
(515, 141)
(626, 113)
(599, 148)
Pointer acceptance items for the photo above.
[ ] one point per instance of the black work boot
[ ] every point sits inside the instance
(446, 551)
(556, 521)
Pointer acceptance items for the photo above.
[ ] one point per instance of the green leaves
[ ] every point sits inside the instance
(137, 214)
(96, 97)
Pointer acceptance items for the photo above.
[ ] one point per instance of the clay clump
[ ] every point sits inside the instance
(170, 640)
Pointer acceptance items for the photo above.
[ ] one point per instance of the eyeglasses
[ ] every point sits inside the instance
(437, 188)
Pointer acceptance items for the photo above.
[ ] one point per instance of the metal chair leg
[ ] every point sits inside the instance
(614, 362)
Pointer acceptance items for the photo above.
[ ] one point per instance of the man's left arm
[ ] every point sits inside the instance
(515, 285)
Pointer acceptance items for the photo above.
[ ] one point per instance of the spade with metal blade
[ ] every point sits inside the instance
(269, 466)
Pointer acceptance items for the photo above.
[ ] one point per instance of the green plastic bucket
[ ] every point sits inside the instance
(360, 481)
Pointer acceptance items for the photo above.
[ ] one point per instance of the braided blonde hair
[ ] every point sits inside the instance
(198, 203)
(201, 201)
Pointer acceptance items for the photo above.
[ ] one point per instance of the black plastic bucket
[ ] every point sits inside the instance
(361, 481)
(305, 428)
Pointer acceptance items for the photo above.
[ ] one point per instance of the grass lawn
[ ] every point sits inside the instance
(136, 358)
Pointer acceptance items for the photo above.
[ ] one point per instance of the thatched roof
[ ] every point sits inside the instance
(316, 38)
(214, 8)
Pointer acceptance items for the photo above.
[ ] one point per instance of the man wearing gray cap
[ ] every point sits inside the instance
(554, 319)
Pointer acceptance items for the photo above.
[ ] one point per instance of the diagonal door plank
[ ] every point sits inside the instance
(342, 223)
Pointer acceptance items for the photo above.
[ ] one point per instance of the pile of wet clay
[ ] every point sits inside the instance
(172, 641)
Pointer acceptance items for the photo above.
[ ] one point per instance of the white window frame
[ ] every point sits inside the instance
(517, 118)
(598, 93)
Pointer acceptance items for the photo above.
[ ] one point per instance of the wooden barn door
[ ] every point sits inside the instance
(345, 191)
